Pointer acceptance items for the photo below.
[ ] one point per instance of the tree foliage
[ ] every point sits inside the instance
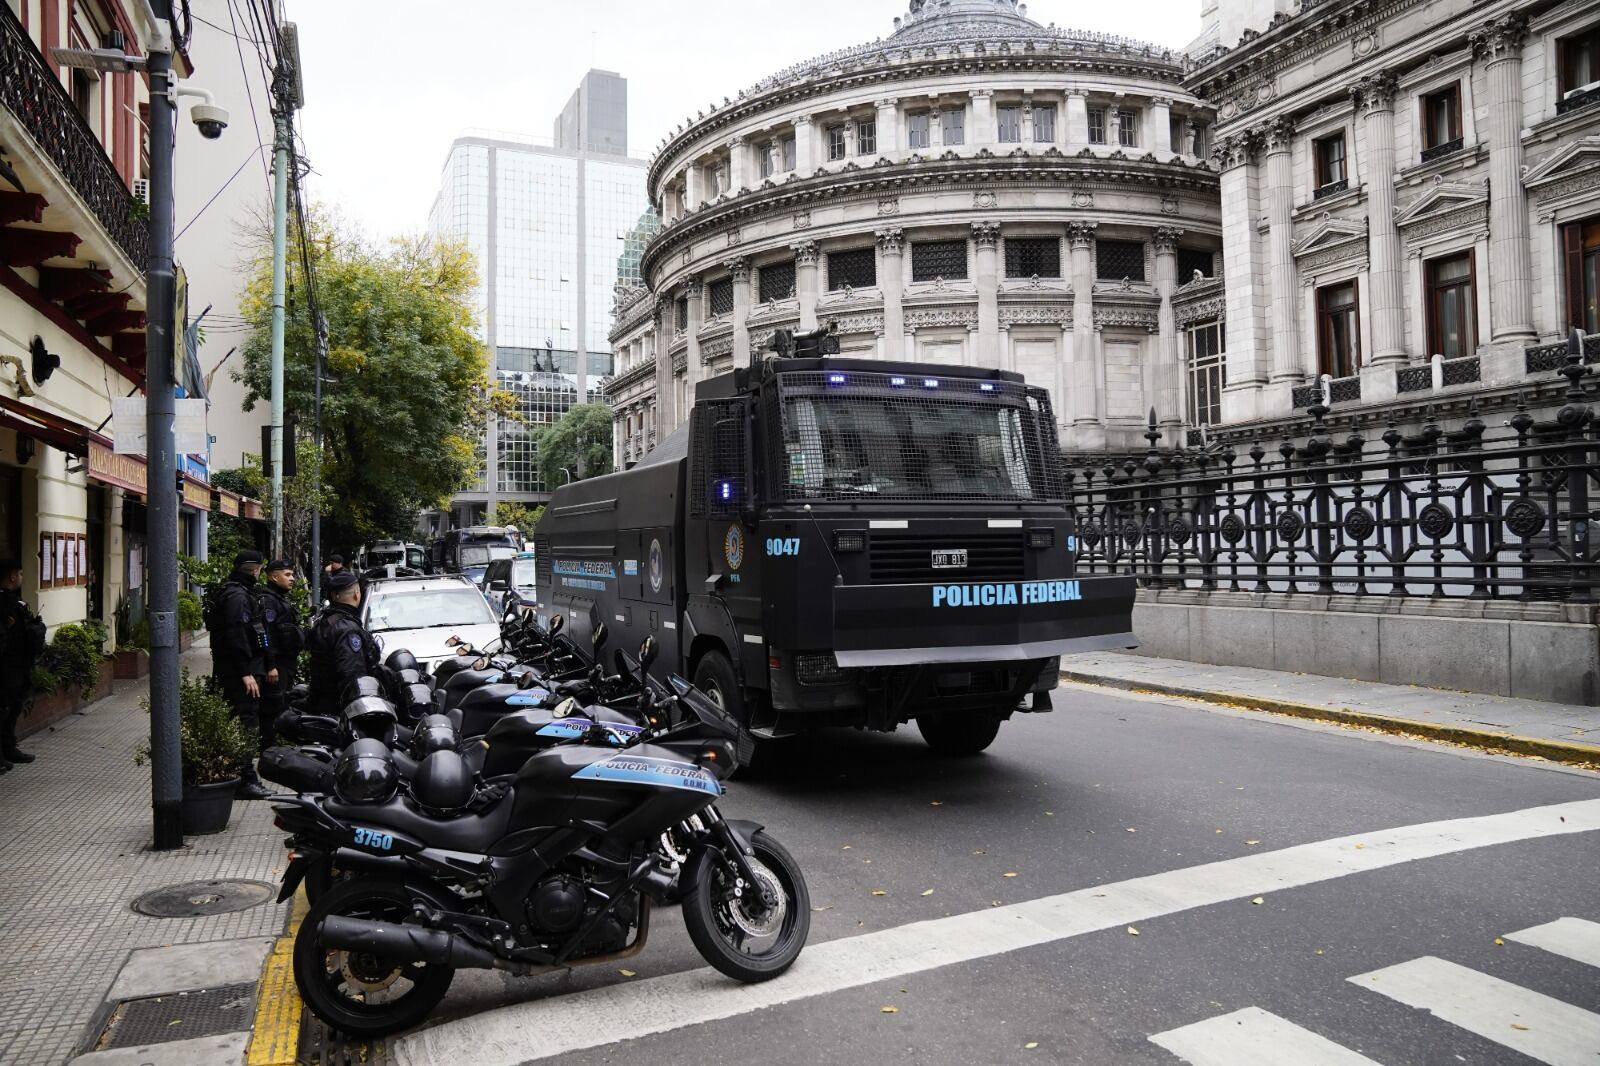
(579, 441)
(511, 513)
(406, 389)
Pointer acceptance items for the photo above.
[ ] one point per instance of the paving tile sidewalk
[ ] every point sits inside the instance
(1567, 732)
(74, 853)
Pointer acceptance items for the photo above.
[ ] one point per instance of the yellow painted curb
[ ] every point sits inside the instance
(1560, 751)
(275, 1037)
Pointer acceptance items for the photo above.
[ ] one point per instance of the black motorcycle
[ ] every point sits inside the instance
(557, 868)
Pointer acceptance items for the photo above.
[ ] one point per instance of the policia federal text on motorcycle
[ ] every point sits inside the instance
(341, 648)
(240, 649)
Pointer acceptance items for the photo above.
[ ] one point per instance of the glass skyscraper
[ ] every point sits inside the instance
(548, 225)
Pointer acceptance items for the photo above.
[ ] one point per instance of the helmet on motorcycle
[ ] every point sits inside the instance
(365, 773)
(361, 686)
(402, 659)
(434, 733)
(371, 716)
(443, 781)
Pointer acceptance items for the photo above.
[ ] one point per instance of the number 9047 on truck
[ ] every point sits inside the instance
(832, 542)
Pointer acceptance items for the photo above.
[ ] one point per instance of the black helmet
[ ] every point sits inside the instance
(409, 676)
(434, 733)
(443, 781)
(365, 773)
(401, 659)
(371, 716)
(361, 686)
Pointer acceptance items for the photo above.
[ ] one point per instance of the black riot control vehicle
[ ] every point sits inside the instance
(843, 542)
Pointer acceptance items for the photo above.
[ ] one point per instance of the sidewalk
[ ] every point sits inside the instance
(74, 837)
(1556, 731)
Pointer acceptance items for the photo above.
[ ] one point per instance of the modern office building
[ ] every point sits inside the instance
(548, 224)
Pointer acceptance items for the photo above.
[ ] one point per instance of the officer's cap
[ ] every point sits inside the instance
(279, 564)
(248, 557)
(339, 581)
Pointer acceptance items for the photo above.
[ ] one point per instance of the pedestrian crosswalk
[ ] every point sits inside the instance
(1540, 1027)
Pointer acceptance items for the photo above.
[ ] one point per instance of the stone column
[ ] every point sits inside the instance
(1499, 47)
(982, 131)
(694, 186)
(889, 128)
(805, 282)
(694, 292)
(667, 413)
(986, 235)
(1081, 389)
(890, 276)
(1247, 295)
(739, 174)
(740, 269)
(805, 139)
(1168, 368)
(1375, 95)
(1076, 121)
(1279, 135)
(1160, 125)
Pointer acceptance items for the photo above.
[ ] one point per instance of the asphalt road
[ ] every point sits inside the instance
(1113, 787)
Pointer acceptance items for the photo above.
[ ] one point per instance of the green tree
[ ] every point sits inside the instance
(580, 442)
(509, 513)
(406, 391)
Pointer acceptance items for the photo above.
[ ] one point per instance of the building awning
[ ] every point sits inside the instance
(54, 430)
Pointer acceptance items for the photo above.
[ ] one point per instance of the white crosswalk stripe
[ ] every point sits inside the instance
(1254, 1037)
(1544, 1029)
(1574, 938)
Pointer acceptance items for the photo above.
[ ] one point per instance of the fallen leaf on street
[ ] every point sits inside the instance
(1524, 1028)
(936, 803)
(879, 892)
(1319, 951)
(1030, 1045)
(1132, 931)
(1131, 829)
(888, 1010)
(627, 973)
(994, 903)
(1219, 830)
(824, 907)
(1499, 943)
(1360, 846)
(978, 852)
(846, 847)
(1252, 841)
(1258, 901)
(1010, 873)
(928, 893)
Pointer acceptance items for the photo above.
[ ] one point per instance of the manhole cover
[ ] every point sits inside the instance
(200, 898)
(179, 1016)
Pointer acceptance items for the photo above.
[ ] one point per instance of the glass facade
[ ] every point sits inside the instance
(554, 231)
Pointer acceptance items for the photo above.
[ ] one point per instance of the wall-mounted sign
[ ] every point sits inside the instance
(114, 468)
(196, 495)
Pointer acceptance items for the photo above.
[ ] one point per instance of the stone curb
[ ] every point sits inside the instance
(1561, 751)
(275, 1037)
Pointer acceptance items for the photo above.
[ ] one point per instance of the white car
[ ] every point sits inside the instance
(421, 613)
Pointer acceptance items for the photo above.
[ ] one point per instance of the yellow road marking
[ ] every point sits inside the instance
(275, 1038)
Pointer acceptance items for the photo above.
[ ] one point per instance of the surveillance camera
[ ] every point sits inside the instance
(211, 120)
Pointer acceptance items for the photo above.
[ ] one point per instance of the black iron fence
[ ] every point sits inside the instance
(1468, 513)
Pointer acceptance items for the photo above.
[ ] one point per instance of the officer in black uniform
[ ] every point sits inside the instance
(282, 619)
(21, 640)
(341, 648)
(240, 645)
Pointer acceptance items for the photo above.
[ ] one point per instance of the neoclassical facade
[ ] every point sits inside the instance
(973, 188)
(1410, 199)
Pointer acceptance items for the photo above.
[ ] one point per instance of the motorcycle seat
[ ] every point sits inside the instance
(471, 833)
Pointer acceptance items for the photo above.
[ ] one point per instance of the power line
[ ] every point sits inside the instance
(254, 152)
(248, 92)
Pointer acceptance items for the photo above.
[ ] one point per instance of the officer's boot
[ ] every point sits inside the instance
(250, 786)
(9, 752)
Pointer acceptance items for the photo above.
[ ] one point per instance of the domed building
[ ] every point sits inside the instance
(973, 188)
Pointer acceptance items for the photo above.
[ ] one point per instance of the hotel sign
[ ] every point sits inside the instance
(116, 468)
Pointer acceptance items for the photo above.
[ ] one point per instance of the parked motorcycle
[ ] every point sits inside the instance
(557, 867)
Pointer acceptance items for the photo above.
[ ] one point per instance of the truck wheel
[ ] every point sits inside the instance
(714, 676)
(961, 732)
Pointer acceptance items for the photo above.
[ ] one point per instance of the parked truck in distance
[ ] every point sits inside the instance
(832, 542)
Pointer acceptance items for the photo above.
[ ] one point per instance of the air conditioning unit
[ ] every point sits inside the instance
(141, 190)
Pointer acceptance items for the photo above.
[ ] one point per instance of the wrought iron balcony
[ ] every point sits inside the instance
(1439, 151)
(1545, 357)
(1333, 188)
(1340, 390)
(1414, 379)
(1578, 101)
(36, 97)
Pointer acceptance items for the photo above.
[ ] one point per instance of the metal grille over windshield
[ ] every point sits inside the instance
(855, 436)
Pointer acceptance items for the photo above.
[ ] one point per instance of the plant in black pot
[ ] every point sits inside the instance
(215, 746)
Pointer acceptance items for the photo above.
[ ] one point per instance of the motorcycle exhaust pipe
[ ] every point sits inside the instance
(413, 943)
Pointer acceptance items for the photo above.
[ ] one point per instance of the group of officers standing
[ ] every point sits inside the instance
(257, 635)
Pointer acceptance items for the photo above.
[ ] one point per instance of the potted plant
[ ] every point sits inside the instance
(132, 659)
(191, 618)
(215, 746)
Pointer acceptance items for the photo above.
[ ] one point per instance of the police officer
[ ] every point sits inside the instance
(284, 632)
(21, 640)
(341, 648)
(240, 645)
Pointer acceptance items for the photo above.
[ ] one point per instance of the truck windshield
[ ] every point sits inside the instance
(851, 445)
(481, 554)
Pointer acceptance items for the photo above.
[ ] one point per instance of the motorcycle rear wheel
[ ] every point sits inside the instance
(357, 994)
(721, 926)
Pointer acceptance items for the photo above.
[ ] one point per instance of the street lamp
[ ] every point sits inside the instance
(166, 754)
(567, 472)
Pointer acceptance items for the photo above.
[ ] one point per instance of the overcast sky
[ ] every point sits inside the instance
(389, 85)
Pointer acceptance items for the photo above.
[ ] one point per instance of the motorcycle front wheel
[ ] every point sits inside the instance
(357, 993)
(730, 926)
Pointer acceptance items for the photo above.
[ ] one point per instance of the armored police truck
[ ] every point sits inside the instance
(847, 542)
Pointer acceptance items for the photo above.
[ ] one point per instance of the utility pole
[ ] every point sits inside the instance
(166, 756)
(316, 508)
(280, 214)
